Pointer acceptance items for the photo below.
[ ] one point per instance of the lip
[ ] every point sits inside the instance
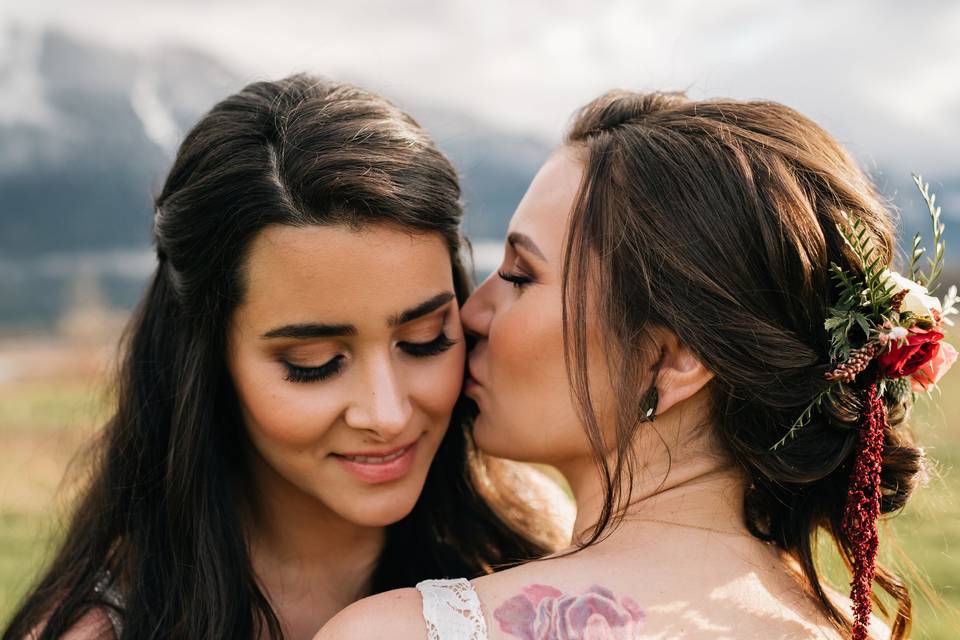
(471, 386)
(377, 454)
(380, 472)
(471, 377)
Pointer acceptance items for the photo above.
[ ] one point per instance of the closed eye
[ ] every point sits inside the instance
(426, 349)
(296, 373)
(517, 280)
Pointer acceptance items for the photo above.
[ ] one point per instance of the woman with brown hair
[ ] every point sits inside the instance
(289, 434)
(694, 323)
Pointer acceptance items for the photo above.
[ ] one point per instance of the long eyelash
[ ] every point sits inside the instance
(426, 349)
(516, 280)
(313, 374)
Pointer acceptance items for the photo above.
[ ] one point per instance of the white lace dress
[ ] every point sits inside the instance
(452, 610)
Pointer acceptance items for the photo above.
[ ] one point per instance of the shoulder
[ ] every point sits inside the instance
(393, 614)
(879, 630)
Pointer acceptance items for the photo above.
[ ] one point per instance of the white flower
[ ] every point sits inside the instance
(917, 300)
(898, 333)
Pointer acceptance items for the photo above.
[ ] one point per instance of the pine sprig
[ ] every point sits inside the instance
(860, 240)
(930, 281)
(807, 416)
(845, 314)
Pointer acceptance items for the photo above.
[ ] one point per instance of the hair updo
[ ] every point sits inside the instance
(718, 220)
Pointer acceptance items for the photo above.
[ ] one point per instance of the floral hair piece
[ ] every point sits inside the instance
(886, 343)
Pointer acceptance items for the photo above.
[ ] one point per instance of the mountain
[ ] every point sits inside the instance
(87, 133)
(94, 135)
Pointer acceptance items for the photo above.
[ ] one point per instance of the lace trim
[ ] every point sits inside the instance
(106, 590)
(452, 610)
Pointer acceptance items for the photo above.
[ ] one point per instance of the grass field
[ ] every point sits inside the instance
(46, 419)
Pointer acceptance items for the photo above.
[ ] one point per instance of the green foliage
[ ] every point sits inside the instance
(929, 280)
(859, 238)
(807, 415)
(846, 314)
(897, 390)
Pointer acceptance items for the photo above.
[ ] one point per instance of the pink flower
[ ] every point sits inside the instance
(931, 372)
(905, 357)
(545, 613)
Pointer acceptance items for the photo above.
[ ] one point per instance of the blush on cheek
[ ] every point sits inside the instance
(525, 402)
(436, 391)
(289, 414)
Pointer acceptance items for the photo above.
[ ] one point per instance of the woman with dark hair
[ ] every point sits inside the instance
(695, 323)
(288, 434)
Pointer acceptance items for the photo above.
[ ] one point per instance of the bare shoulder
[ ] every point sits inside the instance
(393, 614)
(517, 603)
(879, 630)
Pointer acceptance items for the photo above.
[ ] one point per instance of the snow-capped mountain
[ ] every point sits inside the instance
(87, 133)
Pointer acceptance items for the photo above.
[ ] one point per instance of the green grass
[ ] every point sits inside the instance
(928, 530)
(52, 406)
(26, 539)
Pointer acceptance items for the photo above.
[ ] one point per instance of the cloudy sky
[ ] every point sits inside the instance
(881, 75)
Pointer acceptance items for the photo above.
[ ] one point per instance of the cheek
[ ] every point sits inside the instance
(531, 415)
(280, 412)
(435, 388)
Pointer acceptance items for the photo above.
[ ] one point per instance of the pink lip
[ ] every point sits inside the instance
(376, 454)
(471, 378)
(471, 386)
(377, 473)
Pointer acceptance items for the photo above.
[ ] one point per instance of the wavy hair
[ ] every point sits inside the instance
(717, 220)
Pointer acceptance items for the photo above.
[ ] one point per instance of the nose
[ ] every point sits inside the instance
(381, 404)
(477, 312)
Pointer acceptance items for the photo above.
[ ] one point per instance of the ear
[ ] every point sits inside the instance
(679, 374)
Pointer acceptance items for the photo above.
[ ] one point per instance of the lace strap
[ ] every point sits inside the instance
(452, 610)
(111, 596)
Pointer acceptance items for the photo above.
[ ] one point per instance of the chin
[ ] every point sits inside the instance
(381, 510)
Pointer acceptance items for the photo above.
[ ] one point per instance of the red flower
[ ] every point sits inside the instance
(919, 348)
(930, 373)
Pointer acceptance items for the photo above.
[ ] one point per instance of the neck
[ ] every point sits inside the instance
(298, 546)
(680, 485)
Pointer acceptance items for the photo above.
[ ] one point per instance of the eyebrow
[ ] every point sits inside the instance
(422, 309)
(517, 239)
(306, 331)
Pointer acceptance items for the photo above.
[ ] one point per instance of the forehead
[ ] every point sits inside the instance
(545, 209)
(340, 274)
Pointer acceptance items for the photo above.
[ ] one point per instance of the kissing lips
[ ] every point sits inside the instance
(470, 383)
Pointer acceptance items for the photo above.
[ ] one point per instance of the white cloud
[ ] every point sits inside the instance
(158, 122)
(880, 75)
(22, 99)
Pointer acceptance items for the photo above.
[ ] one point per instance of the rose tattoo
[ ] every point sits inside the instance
(542, 612)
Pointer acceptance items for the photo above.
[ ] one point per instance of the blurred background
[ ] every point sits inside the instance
(95, 96)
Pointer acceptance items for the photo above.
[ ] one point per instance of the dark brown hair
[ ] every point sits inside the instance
(717, 220)
(162, 512)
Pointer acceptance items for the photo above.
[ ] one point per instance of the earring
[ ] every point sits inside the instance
(648, 408)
